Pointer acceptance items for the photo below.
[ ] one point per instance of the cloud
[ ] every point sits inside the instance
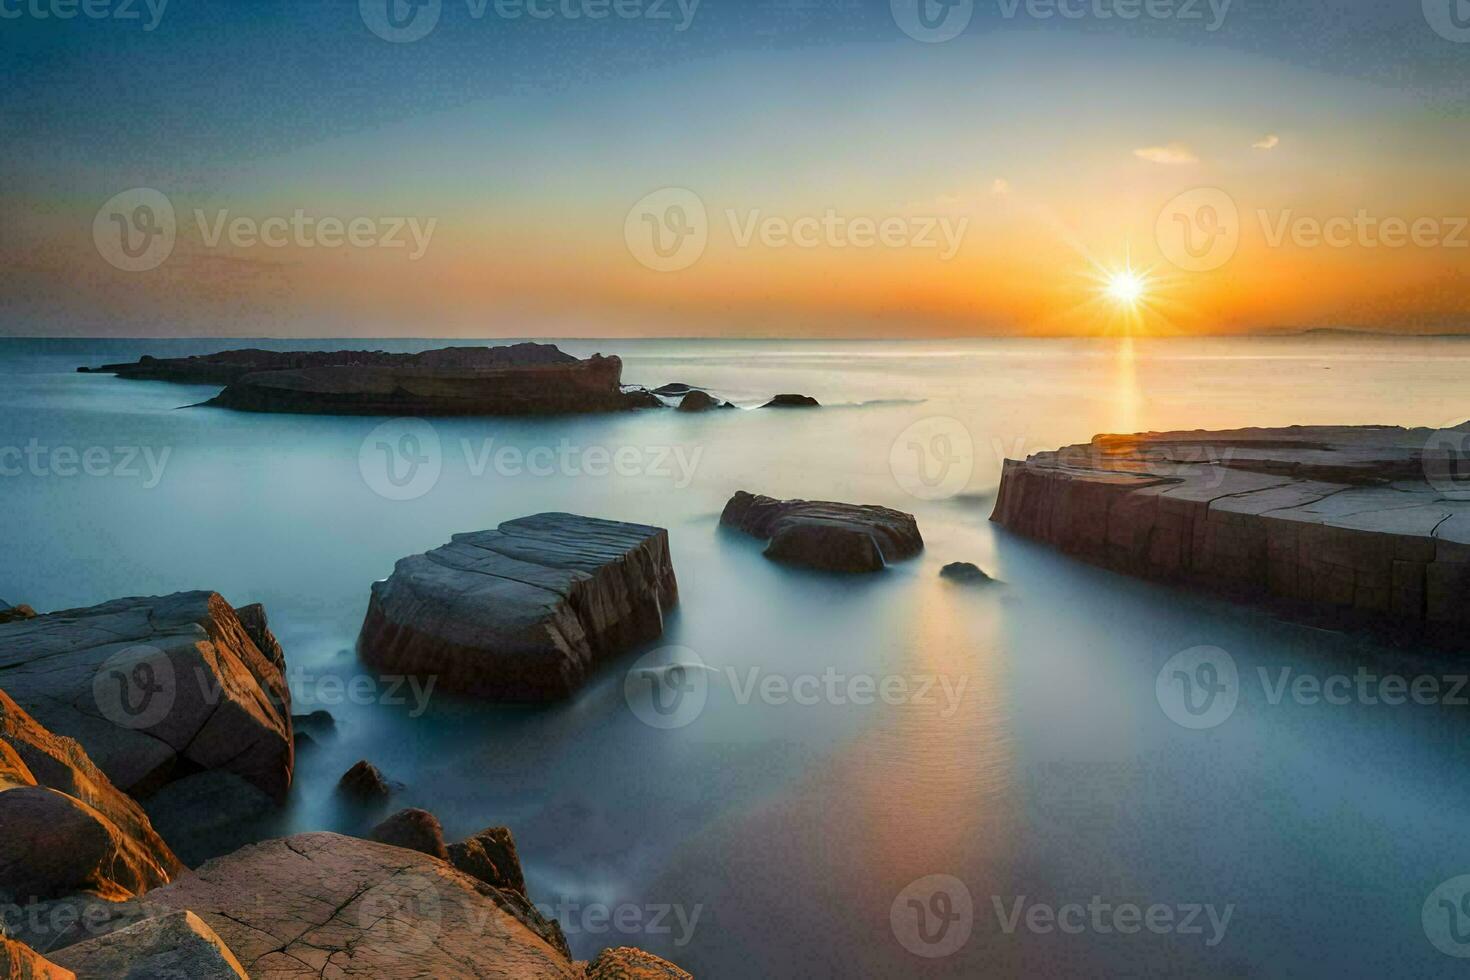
(1000, 186)
(1172, 153)
(1267, 142)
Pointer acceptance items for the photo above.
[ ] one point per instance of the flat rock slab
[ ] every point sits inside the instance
(1354, 522)
(175, 946)
(826, 535)
(523, 612)
(157, 687)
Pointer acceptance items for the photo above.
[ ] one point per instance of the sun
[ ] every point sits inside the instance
(1125, 287)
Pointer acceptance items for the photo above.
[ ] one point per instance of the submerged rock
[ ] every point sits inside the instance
(174, 946)
(524, 612)
(364, 782)
(157, 687)
(825, 535)
(792, 401)
(415, 829)
(963, 571)
(1353, 523)
(64, 827)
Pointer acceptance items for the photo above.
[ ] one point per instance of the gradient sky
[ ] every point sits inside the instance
(1054, 143)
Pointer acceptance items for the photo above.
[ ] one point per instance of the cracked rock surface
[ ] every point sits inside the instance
(158, 687)
(1370, 521)
(523, 612)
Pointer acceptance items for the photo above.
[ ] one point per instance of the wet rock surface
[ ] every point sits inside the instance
(1352, 523)
(823, 534)
(523, 612)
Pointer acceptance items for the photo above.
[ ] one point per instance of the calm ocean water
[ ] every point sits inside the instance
(776, 836)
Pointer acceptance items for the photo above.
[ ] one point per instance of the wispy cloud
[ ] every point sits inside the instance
(1171, 153)
(1267, 142)
(1000, 186)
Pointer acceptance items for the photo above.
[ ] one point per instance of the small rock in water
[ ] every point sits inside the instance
(825, 535)
(490, 856)
(792, 401)
(415, 829)
(364, 781)
(963, 571)
(698, 401)
(319, 722)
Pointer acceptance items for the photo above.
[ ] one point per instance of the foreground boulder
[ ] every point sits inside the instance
(1351, 523)
(821, 534)
(524, 612)
(172, 946)
(64, 827)
(628, 963)
(158, 687)
(20, 962)
(321, 904)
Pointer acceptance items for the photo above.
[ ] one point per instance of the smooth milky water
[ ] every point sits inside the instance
(775, 834)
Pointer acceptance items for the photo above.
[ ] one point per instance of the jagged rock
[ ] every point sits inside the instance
(64, 827)
(175, 946)
(1352, 523)
(209, 813)
(155, 687)
(9, 613)
(20, 962)
(364, 781)
(825, 535)
(415, 829)
(525, 612)
(490, 856)
(628, 963)
(792, 401)
(963, 571)
(325, 905)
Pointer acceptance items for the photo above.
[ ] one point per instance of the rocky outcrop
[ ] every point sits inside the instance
(700, 401)
(825, 535)
(325, 905)
(20, 962)
(172, 946)
(415, 829)
(158, 687)
(9, 613)
(64, 827)
(628, 963)
(364, 781)
(524, 612)
(1351, 523)
(490, 856)
(964, 571)
(792, 401)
